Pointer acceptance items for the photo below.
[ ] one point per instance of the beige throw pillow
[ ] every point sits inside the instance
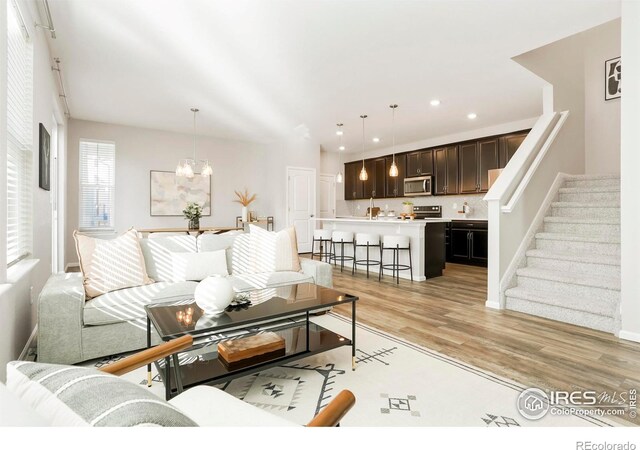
(274, 252)
(110, 264)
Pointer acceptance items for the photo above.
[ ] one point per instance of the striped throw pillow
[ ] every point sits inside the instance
(80, 396)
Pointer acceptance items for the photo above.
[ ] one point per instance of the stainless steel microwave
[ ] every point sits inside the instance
(417, 186)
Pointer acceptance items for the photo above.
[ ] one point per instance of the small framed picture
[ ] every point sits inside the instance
(612, 79)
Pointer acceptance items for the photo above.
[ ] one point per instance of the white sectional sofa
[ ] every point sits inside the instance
(71, 329)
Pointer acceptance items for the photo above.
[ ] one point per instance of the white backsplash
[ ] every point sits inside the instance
(451, 204)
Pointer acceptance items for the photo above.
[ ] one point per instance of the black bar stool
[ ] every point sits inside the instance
(323, 237)
(396, 244)
(367, 240)
(341, 238)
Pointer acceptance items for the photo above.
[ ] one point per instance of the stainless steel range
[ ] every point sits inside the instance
(427, 212)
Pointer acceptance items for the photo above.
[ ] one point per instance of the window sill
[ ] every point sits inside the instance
(20, 270)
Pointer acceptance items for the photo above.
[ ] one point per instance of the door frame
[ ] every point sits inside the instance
(315, 191)
(334, 187)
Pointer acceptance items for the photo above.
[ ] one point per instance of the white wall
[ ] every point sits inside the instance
(630, 181)
(261, 168)
(17, 314)
(602, 118)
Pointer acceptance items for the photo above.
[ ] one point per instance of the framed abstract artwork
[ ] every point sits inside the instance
(612, 78)
(44, 178)
(170, 194)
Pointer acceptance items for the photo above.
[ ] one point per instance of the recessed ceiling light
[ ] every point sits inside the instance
(472, 115)
(376, 139)
(435, 102)
(341, 147)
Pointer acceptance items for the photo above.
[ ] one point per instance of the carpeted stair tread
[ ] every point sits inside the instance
(578, 238)
(588, 190)
(576, 257)
(591, 305)
(598, 205)
(582, 177)
(610, 283)
(584, 220)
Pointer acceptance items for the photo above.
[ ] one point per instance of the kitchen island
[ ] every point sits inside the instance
(426, 237)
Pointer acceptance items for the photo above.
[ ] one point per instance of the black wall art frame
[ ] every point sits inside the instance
(612, 79)
(45, 159)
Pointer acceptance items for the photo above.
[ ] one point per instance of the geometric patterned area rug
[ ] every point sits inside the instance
(396, 383)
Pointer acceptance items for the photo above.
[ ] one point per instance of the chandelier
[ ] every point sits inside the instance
(186, 167)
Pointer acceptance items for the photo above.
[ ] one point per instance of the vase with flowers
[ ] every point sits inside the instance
(192, 213)
(245, 199)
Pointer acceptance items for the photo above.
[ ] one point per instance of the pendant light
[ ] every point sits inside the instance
(340, 177)
(393, 170)
(187, 167)
(364, 176)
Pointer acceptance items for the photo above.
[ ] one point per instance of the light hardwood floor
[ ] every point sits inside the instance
(447, 314)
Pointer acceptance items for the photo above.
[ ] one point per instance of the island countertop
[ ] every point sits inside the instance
(382, 221)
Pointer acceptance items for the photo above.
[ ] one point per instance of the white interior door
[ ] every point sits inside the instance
(327, 195)
(301, 204)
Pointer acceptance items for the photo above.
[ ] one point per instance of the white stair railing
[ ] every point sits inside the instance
(516, 197)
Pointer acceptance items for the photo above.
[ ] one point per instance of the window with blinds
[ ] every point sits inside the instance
(97, 185)
(19, 138)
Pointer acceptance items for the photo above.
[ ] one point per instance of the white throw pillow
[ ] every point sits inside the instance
(110, 264)
(274, 252)
(198, 266)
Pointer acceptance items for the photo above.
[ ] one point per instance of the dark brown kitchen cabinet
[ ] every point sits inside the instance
(353, 187)
(476, 159)
(445, 170)
(374, 186)
(468, 168)
(395, 185)
(420, 163)
(468, 242)
(508, 146)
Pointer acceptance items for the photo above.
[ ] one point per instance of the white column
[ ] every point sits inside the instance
(630, 163)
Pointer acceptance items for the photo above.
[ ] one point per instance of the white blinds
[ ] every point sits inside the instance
(19, 139)
(97, 185)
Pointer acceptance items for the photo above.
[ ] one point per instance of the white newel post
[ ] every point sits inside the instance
(493, 266)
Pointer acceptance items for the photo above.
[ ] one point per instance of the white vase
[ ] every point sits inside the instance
(214, 294)
(245, 214)
(407, 209)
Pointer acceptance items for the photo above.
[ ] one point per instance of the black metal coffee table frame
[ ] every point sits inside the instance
(206, 369)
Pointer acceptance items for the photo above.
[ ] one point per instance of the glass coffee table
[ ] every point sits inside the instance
(284, 310)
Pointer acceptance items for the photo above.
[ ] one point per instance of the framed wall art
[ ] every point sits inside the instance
(44, 177)
(612, 79)
(170, 193)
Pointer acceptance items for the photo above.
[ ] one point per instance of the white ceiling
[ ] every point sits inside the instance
(258, 69)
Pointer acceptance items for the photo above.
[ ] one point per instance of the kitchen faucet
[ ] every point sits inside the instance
(371, 208)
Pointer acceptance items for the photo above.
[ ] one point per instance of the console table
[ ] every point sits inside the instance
(268, 221)
(213, 230)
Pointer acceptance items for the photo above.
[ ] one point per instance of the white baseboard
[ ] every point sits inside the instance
(492, 305)
(629, 336)
(66, 268)
(26, 348)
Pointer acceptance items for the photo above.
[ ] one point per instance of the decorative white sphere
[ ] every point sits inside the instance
(214, 294)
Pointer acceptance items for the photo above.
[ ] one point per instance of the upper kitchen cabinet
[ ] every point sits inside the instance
(420, 163)
(508, 146)
(476, 159)
(395, 185)
(353, 187)
(375, 185)
(445, 170)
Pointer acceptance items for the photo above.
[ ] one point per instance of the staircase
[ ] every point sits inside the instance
(573, 273)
